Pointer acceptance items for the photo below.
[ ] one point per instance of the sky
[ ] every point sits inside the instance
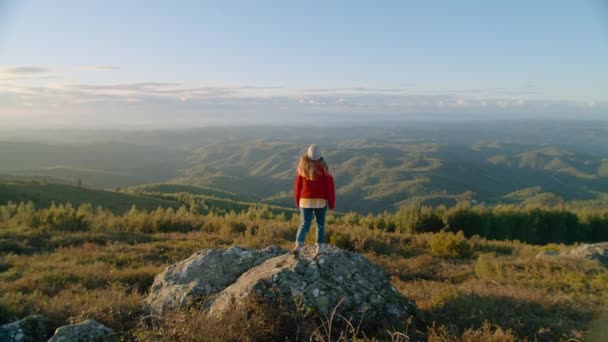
(184, 63)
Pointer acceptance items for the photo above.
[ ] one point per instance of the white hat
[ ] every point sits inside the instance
(313, 152)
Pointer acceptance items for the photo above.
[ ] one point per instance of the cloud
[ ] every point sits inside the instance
(105, 67)
(529, 90)
(353, 90)
(17, 73)
(45, 98)
(26, 70)
(152, 90)
(276, 98)
(3, 78)
(98, 67)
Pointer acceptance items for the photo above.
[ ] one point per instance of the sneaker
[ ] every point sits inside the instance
(296, 249)
(320, 249)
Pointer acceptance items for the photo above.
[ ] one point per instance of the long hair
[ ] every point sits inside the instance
(307, 169)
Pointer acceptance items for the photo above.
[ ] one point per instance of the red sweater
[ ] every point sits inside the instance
(321, 187)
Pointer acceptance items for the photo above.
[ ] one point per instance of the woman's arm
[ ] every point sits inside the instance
(331, 192)
(297, 187)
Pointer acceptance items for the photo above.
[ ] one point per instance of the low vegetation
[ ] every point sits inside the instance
(71, 263)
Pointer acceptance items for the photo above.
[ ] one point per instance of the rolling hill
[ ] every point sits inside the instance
(204, 200)
(148, 197)
(376, 168)
(106, 164)
(42, 194)
(375, 177)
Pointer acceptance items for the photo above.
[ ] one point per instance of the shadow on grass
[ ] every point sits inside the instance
(498, 250)
(525, 318)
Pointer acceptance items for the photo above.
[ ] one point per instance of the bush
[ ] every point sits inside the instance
(419, 220)
(485, 267)
(231, 228)
(341, 240)
(552, 247)
(446, 244)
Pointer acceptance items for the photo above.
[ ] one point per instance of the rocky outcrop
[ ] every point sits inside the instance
(596, 251)
(32, 328)
(205, 273)
(89, 330)
(335, 279)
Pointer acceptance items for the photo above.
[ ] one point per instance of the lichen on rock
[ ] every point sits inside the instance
(204, 273)
(85, 331)
(596, 251)
(345, 281)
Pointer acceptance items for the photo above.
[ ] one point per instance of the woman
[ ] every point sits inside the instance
(314, 192)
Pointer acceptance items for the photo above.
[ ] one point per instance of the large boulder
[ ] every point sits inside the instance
(32, 328)
(596, 251)
(86, 331)
(204, 273)
(336, 280)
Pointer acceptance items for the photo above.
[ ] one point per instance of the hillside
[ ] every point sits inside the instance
(204, 200)
(106, 164)
(383, 175)
(151, 196)
(465, 289)
(168, 188)
(43, 194)
(376, 168)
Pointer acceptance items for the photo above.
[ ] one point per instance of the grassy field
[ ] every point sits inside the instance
(466, 289)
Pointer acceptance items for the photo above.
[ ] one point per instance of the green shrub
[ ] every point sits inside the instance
(419, 220)
(446, 244)
(552, 247)
(485, 267)
(341, 240)
(231, 228)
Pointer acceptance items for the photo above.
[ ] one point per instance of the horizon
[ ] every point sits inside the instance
(393, 123)
(80, 65)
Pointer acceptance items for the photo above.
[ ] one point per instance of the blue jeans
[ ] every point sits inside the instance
(306, 220)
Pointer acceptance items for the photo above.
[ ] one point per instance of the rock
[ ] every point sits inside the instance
(349, 282)
(547, 254)
(204, 273)
(89, 330)
(596, 251)
(32, 328)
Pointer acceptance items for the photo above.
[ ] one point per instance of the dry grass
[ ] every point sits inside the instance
(496, 291)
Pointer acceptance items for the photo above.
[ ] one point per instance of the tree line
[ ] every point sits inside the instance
(531, 224)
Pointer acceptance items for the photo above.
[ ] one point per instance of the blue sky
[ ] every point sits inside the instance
(195, 62)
